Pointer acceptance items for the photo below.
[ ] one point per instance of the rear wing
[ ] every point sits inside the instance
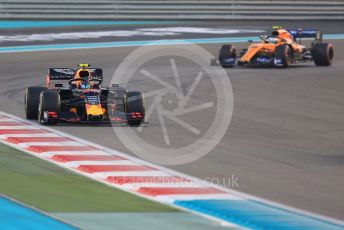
(305, 33)
(68, 74)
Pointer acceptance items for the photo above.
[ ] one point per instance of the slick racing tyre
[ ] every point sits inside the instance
(49, 102)
(323, 54)
(31, 101)
(227, 52)
(283, 53)
(134, 104)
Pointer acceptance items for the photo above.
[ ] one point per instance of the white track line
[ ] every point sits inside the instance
(5, 119)
(132, 174)
(18, 127)
(172, 198)
(91, 152)
(69, 143)
(76, 164)
(137, 186)
(4, 136)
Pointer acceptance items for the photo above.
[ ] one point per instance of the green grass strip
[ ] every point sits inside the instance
(54, 189)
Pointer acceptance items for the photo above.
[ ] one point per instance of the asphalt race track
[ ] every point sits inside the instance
(285, 142)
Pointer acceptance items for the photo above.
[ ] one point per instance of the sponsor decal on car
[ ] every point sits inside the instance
(229, 60)
(278, 61)
(263, 60)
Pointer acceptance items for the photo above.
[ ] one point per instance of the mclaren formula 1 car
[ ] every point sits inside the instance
(77, 95)
(281, 49)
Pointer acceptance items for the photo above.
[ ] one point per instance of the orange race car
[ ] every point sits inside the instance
(282, 48)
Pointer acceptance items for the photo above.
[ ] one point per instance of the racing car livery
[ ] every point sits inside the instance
(281, 49)
(77, 95)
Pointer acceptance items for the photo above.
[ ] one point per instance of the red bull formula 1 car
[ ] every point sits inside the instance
(77, 95)
(281, 49)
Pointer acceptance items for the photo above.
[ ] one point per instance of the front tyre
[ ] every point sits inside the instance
(135, 108)
(49, 107)
(227, 56)
(282, 57)
(31, 101)
(323, 54)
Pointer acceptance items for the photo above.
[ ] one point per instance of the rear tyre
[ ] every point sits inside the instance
(283, 53)
(323, 54)
(31, 101)
(49, 102)
(135, 104)
(227, 52)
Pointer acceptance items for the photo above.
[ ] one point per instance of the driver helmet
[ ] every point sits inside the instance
(84, 74)
(274, 33)
(282, 34)
(84, 86)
